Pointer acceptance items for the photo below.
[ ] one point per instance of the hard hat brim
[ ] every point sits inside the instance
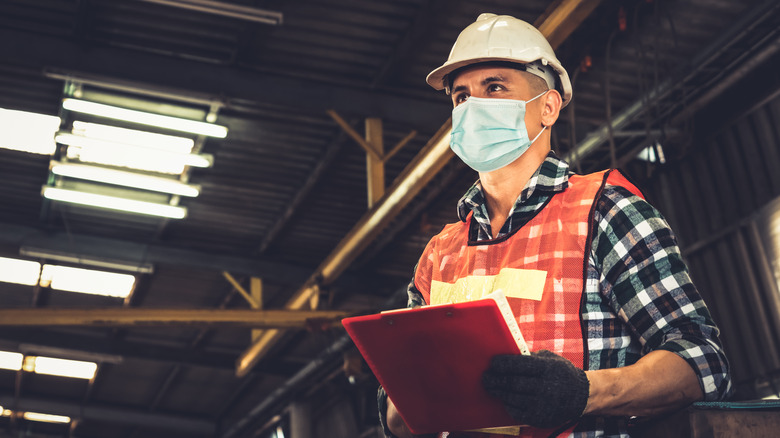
(437, 77)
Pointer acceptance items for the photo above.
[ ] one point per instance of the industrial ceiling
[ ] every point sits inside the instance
(332, 176)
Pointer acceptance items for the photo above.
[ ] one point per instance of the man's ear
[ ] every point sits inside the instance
(551, 107)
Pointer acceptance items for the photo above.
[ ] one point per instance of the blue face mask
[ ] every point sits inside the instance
(488, 134)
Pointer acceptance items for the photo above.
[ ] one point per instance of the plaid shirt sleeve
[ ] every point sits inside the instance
(646, 283)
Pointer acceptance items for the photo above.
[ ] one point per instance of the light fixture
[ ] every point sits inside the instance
(653, 153)
(123, 178)
(226, 10)
(76, 369)
(10, 360)
(152, 140)
(114, 203)
(119, 265)
(28, 132)
(46, 418)
(19, 271)
(88, 281)
(119, 154)
(144, 118)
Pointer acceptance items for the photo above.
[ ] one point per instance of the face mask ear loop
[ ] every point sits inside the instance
(538, 96)
(543, 126)
(540, 133)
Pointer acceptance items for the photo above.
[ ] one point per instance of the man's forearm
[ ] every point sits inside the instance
(660, 381)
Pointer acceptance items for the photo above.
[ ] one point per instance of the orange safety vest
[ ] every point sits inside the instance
(540, 267)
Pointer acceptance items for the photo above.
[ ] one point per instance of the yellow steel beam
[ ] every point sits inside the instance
(400, 145)
(375, 164)
(136, 317)
(241, 290)
(367, 146)
(562, 17)
(431, 159)
(256, 290)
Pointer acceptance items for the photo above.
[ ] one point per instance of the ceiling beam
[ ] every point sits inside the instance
(137, 417)
(132, 252)
(136, 317)
(185, 76)
(428, 162)
(162, 353)
(562, 17)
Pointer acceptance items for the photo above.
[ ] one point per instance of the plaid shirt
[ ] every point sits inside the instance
(638, 295)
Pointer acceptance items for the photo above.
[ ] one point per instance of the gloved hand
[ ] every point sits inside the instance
(541, 390)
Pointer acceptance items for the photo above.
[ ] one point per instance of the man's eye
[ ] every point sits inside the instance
(494, 87)
(460, 98)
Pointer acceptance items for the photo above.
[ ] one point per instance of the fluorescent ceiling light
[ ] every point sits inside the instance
(28, 132)
(61, 367)
(122, 178)
(11, 361)
(114, 203)
(46, 418)
(144, 118)
(19, 271)
(112, 153)
(88, 281)
(653, 153)
(226, 10)
(169, 143)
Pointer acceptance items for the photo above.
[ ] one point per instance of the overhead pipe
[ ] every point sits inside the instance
(302, 377)
(744, 25)
(730, 79)
(223, 9)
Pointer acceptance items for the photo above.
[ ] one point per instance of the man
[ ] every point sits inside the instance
(616, 327)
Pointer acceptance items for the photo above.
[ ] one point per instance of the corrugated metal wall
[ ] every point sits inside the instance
(723, 200)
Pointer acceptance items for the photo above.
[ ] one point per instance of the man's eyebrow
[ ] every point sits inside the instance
(458, 89)
(487, 80)
(496, 78)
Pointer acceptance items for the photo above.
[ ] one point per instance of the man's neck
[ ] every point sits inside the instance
(502, 187)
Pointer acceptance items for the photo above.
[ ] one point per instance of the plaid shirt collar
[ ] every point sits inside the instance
(550, 178)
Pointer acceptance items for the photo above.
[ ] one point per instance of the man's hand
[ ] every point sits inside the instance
(541, 390)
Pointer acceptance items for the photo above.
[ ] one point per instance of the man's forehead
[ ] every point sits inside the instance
(485, 72)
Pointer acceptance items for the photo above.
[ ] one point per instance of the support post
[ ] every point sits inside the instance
(256, 291)
(375, 165)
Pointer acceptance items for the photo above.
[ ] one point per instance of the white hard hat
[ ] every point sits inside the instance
(503, 38)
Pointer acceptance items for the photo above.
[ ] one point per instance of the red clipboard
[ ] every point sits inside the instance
(430, 361)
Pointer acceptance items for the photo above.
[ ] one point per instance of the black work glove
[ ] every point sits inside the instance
(541, 390)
